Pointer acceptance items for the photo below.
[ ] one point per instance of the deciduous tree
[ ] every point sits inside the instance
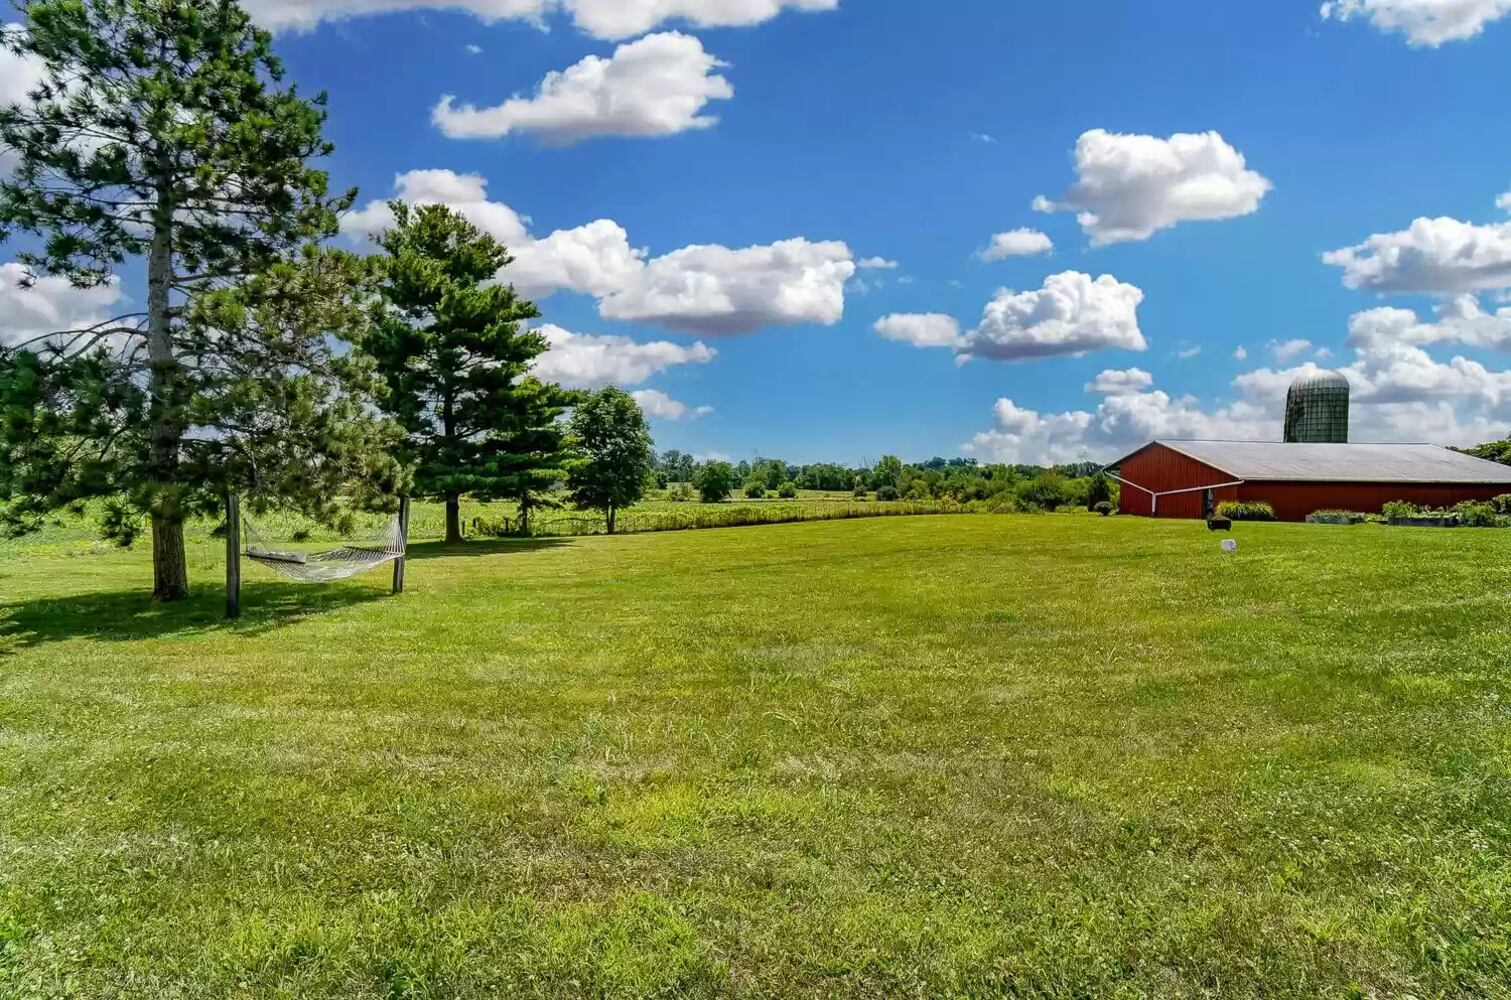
(615, 453)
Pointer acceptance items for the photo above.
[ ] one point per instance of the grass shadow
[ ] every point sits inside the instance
(489, 547)
(128, 615)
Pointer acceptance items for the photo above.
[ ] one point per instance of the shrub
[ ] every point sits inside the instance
(1335, 515)
(1046, 491)
(755, 490)
(1246, 510)
(1480, 514)
(888, 492)
(919, 490)
(680, 493)
(861, 493)
(1098, 491)
(1502, 503)
(788, 491)
(1401, 508)
(1103, 507)
(715, 481)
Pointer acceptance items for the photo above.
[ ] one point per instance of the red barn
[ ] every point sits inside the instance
(1170, 478)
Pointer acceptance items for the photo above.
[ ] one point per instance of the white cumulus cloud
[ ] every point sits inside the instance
(1130, 187)
(1016, 243)
(656, 86)
(1116, 382)
(1441, 256)
(920, 329)
(594, 258)
(49, 305)
(1071, 314)
(1286, 350)
(717, 290)
(607, 19)
(19, 75)
(586, 361)
(698, 289)
(466, 194)
(1423, 22)
(1461, 320)
(624, 18)
(658, 405)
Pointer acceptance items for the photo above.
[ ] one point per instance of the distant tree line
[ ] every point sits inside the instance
(1495, 451)
(1027, 487)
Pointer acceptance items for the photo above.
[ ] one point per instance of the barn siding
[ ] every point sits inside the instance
(1159, 469)
(1294, 501)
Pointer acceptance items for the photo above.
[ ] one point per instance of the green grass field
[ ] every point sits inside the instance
(965, 756)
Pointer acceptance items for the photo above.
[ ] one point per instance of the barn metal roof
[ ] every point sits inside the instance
(1342, 463)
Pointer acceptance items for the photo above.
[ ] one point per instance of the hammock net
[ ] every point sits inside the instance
(325, 567)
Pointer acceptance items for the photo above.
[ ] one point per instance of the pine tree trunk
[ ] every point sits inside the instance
(170, 567)
(453, 520)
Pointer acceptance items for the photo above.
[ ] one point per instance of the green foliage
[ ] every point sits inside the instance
(1479, 514)
(613, 442)
(1048, 491)
(861, 493)
(455, 365)
(888, 472)
(161, 132)
(1400, 509)
(788, 491)
(1098, 491)
(715, 481)
(1469, 513)
(1495, 451)
(755, 489)
(680, 493)
(1103, 507)
(1246, 510)
(1502, 503)
(679, 467)
(888, 493)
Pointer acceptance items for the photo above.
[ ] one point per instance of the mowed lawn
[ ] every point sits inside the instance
(965, 756)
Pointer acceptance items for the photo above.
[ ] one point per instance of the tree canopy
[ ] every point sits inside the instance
(455, 363)
(615, 460)
(162, 133)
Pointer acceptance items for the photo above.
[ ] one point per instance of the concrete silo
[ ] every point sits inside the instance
(1316, 410)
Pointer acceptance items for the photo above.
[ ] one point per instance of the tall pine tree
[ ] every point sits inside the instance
(456, 363)
(161, 136)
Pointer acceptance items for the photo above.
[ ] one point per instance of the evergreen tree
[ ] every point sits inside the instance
(161, 133)
(456, 363)
(616, 455)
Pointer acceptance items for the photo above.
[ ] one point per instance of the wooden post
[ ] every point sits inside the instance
(398, 564)
(233, 556)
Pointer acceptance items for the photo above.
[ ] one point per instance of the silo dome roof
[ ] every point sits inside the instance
(1321, 380)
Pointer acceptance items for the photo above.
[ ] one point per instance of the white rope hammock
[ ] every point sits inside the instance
(326, 567)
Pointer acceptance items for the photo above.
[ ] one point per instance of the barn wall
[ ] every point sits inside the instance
(1294, 501)
(1159, 468)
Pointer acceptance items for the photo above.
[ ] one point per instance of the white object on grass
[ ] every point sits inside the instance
(1230, 545)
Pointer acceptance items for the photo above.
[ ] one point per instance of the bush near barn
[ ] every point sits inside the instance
(1246, 510)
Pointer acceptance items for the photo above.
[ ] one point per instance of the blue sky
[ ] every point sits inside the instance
(913, 133)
